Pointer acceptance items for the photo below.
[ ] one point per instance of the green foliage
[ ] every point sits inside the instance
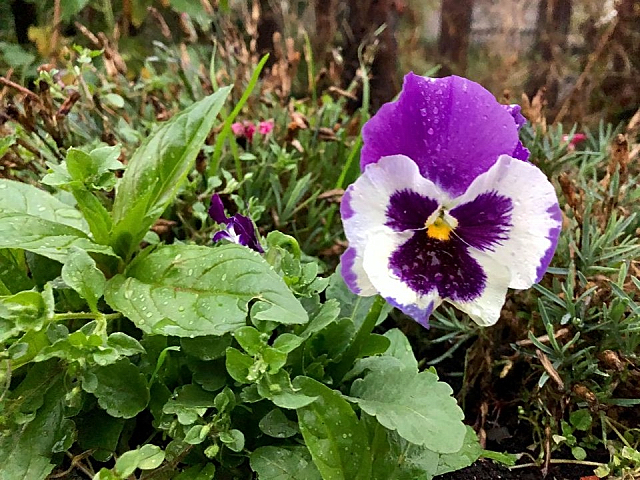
(224, 354)
(158, 168)
(212, 361)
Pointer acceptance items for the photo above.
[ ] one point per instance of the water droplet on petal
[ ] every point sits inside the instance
(430, 131)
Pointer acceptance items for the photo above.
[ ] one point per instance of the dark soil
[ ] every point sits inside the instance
(488, 470)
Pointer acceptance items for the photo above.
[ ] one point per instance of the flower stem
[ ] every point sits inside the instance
(360, 339)
(86, 316)
(558, 462)
(217, 153)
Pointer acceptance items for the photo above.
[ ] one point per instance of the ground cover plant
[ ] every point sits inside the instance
(150, 330)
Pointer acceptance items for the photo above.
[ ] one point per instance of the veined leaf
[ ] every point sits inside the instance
(157, 169)
(277, 463)
(44, 237)
(192, 291)
(121, 388)
(81, 274)
(25, 450)
(16, 197)
(333, 434)
(416, 405)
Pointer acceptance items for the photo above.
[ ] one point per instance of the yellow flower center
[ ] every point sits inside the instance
(439, 229)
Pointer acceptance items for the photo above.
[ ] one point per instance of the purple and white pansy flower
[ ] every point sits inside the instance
(238, 229)
(447, 208)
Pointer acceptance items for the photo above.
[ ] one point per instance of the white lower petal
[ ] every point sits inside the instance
(535, 218)
(354, 275)
(485, 309)
(376, 265)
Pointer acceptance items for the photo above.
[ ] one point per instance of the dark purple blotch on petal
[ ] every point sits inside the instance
(426, 264)
(485, 221)
(453, 128)
(408, 210)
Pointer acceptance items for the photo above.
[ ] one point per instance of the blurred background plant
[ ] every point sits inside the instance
(558, 379)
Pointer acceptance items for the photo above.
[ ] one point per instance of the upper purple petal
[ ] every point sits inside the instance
(453, 128)
(521, 152)
(216, 209)
(516, 112)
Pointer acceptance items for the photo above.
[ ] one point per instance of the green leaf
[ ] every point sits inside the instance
(146, 457)
(233, 439)
(206, 348)
(277, 425)
(238, 365)
(400, 348)
(579, 453)
(394, 458)
(205, 471)
(326, 315)
(124, 344)
(14, 271)
(581, 419)
(353, 306)
(100, 432)
(25, 450)
(190, 290)
(333, 434)
(97, 216)
(468, 454)
(80, 273)
(157, 169)
(209, 375)
(120, 388)
(70, 8)
(21, 312)
(251, 340)
(416, 405)
(17, 197)
(44, 237)
(277, 463)
(287, 342)
(190, 403)
(196, 434)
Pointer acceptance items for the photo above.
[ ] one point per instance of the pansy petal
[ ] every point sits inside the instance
(521, 152)
(516, 113)
(216, 210)
(485, 309)
(224, 235)
(377, 254)
(354, 275)
(364, 210)
(453, 128)
(246, 231)
(535, 218)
